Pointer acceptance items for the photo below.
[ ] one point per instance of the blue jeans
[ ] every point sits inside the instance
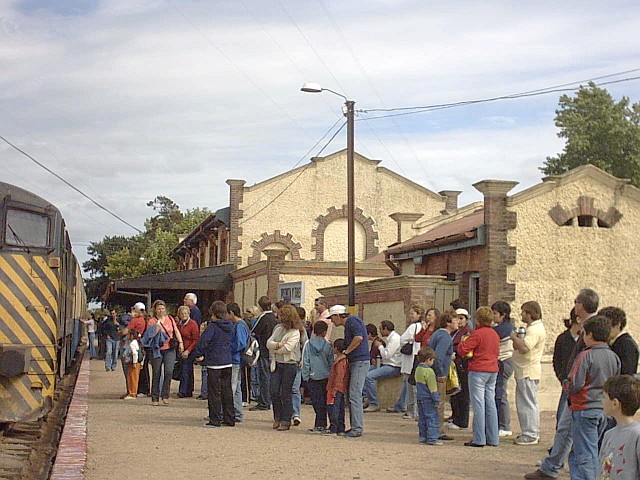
(92, 347)
(204, 386)
(111, 358)
(318, 389)
(186, 376)
(502, 401)
(401, 403)
(296, 398)
(162, 369)
(562, 442)
(562, 404)
(482, 390)
(358, 371)
(428, 423)
(281, 386)
(336, 414)
(236, 387)
(264, 379)
(587, 428)
(255, 383)
(371, 379)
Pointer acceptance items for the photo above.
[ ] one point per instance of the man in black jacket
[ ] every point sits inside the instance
(262, 330)
(621, 342)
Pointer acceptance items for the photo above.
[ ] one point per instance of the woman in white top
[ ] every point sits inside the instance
(408, 341)
(91, 333)
(284, 349)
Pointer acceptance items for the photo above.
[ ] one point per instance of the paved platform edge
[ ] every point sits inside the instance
(72, 452)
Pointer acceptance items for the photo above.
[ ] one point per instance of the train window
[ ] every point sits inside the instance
(26, 229)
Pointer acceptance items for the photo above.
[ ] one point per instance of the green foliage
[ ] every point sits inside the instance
(143, 254)
(598, 131)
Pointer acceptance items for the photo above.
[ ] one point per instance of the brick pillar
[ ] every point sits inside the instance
(451, 204)
(405, 222)
(275, 262)
(236, 194)
(498, 254)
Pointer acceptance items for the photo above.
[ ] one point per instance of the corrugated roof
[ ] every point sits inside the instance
(464, 226)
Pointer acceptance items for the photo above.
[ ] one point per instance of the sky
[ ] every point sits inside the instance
(130, 99)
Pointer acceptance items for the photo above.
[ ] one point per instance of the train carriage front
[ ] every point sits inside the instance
(32, 338)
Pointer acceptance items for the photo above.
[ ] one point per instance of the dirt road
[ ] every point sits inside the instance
(130, 439)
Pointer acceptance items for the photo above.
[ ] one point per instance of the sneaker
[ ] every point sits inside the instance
(329, 433)
(525, 440)
(316, 430)
(129, 397)
(446, 438)
(211, 425)
(155, 404)
(538, 474)
(393, 410)
(406, 416)
(142, 395)
(165, 401)
(296, 421)
(472, 444)
(453, 426)
(372, 408)
(352, 434)
(437, 443)
(505, 433)
(341, 434)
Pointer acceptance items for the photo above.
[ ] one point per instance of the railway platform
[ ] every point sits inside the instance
(134, 440)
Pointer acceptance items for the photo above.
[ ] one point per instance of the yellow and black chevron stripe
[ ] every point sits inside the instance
(29, 294)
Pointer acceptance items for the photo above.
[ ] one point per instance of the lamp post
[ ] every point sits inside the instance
(349, 112)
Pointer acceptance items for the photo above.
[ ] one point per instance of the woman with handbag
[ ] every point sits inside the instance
(162, 366)
(409, 348)
(284, 349)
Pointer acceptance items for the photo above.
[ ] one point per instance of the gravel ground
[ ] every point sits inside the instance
(131, 439)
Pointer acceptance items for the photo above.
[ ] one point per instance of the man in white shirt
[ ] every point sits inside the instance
(322, 311)
(391, 361)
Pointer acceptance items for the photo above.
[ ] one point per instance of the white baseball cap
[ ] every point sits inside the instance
(337, 310)
(462, 311)
(140, 306)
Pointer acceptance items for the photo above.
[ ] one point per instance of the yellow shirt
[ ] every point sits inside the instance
(527, 365)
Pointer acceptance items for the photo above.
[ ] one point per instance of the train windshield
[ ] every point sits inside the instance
(26, 229)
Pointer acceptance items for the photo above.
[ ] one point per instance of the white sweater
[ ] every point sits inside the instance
(391, 353)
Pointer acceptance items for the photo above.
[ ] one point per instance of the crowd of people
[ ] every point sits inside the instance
(270, 354)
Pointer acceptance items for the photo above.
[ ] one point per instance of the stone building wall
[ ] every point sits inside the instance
(554, 262)
(312, 196)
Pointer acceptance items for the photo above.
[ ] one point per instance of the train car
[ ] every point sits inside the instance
(42, 299)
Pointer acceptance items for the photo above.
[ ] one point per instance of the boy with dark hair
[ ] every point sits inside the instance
(336, 388)
(586, 379)
(428, 398)
(620, 452)
(621, 342)
(317, 357)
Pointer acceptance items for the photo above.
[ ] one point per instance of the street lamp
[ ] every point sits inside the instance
(351, 240)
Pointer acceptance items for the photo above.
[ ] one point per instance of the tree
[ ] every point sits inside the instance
(598, 131)
(143, 254)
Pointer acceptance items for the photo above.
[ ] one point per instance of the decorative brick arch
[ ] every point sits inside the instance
(275, 237)
(333, 213)
(586, 208)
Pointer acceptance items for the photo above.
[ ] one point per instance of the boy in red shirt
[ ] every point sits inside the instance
(337, 386)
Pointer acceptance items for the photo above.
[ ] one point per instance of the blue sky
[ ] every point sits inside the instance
(133, 99)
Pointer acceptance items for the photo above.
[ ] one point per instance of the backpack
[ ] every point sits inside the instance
(251, 353)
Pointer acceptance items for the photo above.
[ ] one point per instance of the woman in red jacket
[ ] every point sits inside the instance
(484, 344)
(190, 334)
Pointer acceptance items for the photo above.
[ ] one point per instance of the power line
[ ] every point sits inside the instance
(237, 67)
(69, 184)
(296, 177)
(298, 162)
(531, 93)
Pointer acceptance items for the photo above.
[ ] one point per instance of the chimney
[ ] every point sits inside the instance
(451, 204)
(405, 224)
